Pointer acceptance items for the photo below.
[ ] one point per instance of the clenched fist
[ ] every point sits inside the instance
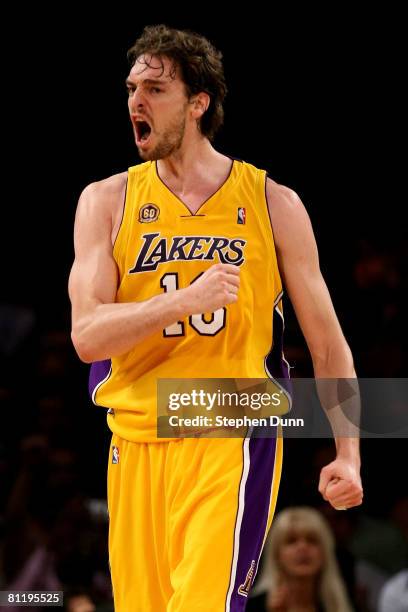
(215, 288)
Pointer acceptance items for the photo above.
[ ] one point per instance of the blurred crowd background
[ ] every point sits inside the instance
(317, 126)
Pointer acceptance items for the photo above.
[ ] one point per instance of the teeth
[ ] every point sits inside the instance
(143, 131)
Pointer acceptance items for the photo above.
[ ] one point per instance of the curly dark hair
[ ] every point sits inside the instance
(200, 64)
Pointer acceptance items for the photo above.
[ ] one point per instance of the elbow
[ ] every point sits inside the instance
(82, 348)
(333, 360)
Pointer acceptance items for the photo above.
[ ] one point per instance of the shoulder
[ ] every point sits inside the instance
(106, 188)
(289, 219)
(396, 584)
(281, 198)
(103, 197)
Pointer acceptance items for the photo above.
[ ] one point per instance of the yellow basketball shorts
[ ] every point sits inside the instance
(188, 520)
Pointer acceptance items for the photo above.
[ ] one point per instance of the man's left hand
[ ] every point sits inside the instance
(340, 484)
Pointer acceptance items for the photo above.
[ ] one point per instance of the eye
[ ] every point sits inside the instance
(130, 90)
(155, 89)
(312, 539)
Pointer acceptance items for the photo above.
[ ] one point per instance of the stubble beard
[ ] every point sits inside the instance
(169, 142)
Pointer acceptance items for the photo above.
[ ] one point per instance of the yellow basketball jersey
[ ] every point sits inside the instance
(161, 246)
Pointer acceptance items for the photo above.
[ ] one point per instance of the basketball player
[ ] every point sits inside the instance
(184, 233)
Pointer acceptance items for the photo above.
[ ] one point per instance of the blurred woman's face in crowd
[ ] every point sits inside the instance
(301, 554)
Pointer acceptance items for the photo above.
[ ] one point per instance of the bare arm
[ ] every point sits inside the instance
(102, 328)
(331, 355)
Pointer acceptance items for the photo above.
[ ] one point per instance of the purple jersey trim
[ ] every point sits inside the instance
(99, 372)
(276, 365)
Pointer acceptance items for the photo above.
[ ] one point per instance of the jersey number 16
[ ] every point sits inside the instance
(202, 326)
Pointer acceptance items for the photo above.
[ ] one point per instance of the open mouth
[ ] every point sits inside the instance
(143, 131)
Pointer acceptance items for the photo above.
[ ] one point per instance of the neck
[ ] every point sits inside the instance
(190, 163)
(302, 593)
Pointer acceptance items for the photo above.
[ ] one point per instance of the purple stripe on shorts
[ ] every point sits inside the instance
(98, 373)
(255, 516)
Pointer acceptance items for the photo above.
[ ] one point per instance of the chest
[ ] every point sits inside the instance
(193, 200)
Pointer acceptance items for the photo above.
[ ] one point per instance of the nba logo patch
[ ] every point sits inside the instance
(241, 216)
(115, 454)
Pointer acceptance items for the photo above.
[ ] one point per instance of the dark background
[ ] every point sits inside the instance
(320, 107)
(316, 99)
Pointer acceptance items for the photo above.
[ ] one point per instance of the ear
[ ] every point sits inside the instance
(199, 103)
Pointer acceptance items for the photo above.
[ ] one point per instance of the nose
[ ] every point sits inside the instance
(302, 543)
(136, 100)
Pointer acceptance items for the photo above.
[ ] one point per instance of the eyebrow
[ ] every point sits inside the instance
(146, 82)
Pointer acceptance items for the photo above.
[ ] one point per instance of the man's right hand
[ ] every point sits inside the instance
(215, 288)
